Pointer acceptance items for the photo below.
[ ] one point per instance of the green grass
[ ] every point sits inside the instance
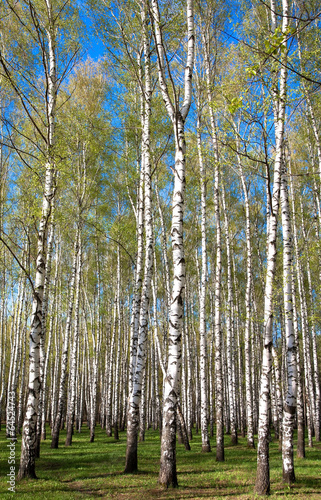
(89, 470)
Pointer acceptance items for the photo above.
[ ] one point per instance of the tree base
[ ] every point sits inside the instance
(289, 477)
(131, 465)
(206, 448)
(234, 440)
(301, 441)
(26, 472)
(168, 480)
(54, 443)
(262, 484)
(68, 438)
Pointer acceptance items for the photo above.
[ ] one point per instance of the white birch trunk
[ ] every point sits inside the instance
(110, 377)
(262, 485)
(289, 407)
(44, 357)
(278, 394)
(309, 394)
(248, 385)
(139, 367)
(74, 351)
(217, 293)
(118, 328)
(316, 412)
(134, 325)
(29, 438)
(219, 401)
(300, 402)
(11, 413)
(164, 248)
(167, 475)
(229, 328)
(206, 447)
(65, 349)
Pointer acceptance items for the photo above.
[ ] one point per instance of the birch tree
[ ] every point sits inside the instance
(206, 447)
(178, 115)
(28, 449)
(289, 407)
(262, 485)
(139, 364)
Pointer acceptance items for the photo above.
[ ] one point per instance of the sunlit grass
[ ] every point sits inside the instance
(88, 470)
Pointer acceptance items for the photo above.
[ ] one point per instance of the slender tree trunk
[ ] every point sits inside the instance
(315, 371)
(229, 328)
(116, 369)
(44, 357)
(289, 407)
(110, 378)
(15, 360)
(300, 402)
(29, 437)
(64, 355)
(167, 474)
(136, 393)
(248, 385)
(206, 447)
(74, 352)
(262, 485)
(278, 394)
(308, 381)
(219, 398)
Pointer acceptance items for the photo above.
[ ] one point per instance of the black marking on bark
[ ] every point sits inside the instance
(289, 409)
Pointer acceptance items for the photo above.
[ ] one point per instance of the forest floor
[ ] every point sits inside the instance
(95, 470)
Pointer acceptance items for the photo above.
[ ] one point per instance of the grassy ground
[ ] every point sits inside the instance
(89, 470)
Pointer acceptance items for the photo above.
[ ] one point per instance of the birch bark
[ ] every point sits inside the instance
(64, 355)
(262, 485)
(229, 328)
(300, 402)
(139, 367)
(29, 438)
(308, 381)
(206, 447)
(289, 407)
(74, 351)
(116, 368)
(110, 377)
(168, 475)
(218, 268)
(41, 432)
(315, 370)
(248, 385)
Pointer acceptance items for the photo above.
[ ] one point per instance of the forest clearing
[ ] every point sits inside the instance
(160, 253)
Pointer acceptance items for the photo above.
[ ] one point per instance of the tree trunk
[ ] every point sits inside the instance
(289, 407)
(262, 485)
(139, 367)
(74, 353)
(229, 329)
(65, 349)
(206, 447)
(167, 474)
